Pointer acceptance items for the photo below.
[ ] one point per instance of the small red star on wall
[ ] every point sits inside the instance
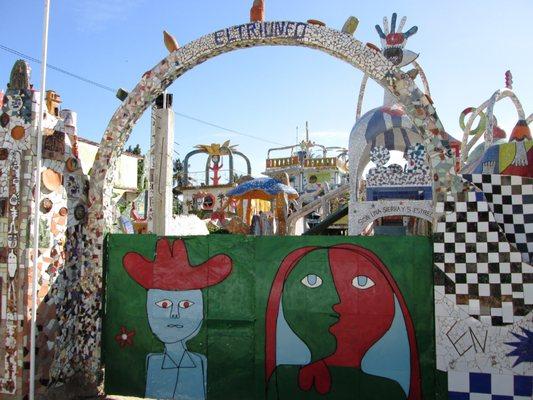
(125, 338)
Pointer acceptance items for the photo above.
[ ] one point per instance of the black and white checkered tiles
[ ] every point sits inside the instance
(511, 200)
(476, 267)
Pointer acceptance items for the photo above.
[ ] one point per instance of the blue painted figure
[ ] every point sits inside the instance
(174, 305)
(175, 317)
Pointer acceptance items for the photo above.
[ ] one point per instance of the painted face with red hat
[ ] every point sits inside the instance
(174, 305)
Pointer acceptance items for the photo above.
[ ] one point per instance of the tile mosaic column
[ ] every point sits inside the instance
(63, 208)
(161, 171)
(17, 134)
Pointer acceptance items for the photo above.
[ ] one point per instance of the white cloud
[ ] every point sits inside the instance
(96, 15)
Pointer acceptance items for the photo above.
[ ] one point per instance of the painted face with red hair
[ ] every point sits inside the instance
(329, 307)
(366, 305)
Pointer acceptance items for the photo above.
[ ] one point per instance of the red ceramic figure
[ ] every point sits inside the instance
(217, 166)
(257, 12)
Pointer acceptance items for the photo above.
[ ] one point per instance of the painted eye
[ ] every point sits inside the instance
(362, 282)
(312, 281)
(185, 304)
(164, 303)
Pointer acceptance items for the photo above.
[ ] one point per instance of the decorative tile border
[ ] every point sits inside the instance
(480, 386)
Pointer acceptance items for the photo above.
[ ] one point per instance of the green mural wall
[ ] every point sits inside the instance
(334, 331)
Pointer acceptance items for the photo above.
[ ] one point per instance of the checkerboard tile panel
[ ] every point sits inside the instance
(478, 386)
(476, 267)
(511, 200)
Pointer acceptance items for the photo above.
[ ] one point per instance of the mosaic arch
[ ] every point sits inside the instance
(279, 33)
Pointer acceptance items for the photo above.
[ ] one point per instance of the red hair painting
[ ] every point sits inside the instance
(339, 307)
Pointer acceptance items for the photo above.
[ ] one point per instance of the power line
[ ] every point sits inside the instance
(109, 89)
(226, 129)
(35, 60)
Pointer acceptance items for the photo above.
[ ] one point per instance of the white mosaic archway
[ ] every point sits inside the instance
(279, 33)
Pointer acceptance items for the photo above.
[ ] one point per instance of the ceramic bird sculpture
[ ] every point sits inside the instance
(170, 42)
(257, 12)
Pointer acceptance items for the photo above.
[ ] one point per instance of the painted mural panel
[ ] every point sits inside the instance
(222, 317)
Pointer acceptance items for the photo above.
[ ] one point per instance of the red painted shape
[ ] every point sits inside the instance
(171, 269)
(216, 177)
(316, 374)
(273, 304)
(124, 337)
(361, 314)
(394, 39)
(521, 170)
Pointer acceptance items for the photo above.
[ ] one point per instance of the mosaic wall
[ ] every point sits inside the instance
(510, 199)
(483, 296)
(415, 173)
(16, 145)
(235, 317)
(63, 213)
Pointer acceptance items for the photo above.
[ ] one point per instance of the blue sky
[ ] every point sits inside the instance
(465, 47)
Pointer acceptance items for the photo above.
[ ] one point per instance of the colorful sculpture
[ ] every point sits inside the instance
(214, 163)
(270, 189)
(257, 12)
(388, 125)
(393, 42)
(494, 155)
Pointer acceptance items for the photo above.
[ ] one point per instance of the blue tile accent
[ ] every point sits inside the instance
(458, 396)
(500, 397)
(480, 196)
(523, 385)
(405, 192)
(480, 383)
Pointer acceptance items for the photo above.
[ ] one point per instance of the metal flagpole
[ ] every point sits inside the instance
(37, 197)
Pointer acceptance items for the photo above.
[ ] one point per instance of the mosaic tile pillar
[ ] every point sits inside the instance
(161, 167)
(17, 143)
(63, 210)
